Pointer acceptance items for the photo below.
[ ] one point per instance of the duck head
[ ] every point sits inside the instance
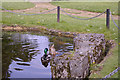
(45, 51)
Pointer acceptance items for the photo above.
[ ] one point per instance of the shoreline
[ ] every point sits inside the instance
(39, 29)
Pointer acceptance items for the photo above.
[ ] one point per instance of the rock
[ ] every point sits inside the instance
(66, 67)
(92, 45)
(78, 67)
(89, 48)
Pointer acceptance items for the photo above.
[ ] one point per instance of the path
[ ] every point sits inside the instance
(44, 6)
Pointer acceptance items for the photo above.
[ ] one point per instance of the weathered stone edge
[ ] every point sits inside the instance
(39, 29)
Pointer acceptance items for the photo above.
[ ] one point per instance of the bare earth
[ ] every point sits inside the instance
(45, 6)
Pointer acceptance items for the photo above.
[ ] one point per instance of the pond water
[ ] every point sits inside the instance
(22, 52)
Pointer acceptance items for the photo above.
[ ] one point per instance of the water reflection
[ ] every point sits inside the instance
(22, 54)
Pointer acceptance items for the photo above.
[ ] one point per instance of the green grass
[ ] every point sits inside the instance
(87, 0)
(90, 6)
(66, 24)
(17, 5)
(109, 65)
(12, 0)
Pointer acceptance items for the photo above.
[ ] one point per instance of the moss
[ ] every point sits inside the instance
(68, 70)
(67, 58)
(71, 55)
(81, 55)
(89, 60)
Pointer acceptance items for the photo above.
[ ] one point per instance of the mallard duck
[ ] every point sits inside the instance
(46, 57)
(52, 50)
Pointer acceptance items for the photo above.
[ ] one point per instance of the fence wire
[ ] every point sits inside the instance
(110, 74)
(82, 18)
(63, 12)
(114, 21)
(28, 14)
(107, 76)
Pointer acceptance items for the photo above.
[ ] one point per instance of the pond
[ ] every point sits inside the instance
(22, 52)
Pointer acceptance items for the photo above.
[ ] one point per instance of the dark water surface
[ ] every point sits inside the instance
(22, 52)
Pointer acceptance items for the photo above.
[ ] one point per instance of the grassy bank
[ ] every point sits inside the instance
(87, 0)
(109, 65)
(69, 24)
(90, 6)
(66, 24)
(17, 5)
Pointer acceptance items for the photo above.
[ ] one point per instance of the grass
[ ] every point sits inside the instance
(90, 6)
(66, 24)
(88, 0)
(109, 65)
(12, 0)
(72, 25)
(17, 5)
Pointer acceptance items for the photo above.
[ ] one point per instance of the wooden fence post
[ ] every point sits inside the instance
(58, 13)
(108, 18)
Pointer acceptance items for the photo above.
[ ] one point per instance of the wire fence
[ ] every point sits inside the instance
(107, 76)
(91, 17)
(110, 74)
(82, 18)
(114, 21)
(28, 14)
(65, 13)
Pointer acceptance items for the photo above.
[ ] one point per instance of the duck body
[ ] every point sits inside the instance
(46, 58)
(52, 50)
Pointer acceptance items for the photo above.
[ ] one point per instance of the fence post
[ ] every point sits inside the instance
(108, 18)
(58, 13)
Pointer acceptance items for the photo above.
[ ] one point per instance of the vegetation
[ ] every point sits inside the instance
(17, 5)
(109, 65)
(69, 24)
(73, 25)
(66, 24)
(90, 6)
(88, 0)
(12, 0)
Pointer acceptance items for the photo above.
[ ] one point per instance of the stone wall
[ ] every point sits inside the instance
(70, 67)
(89, 48)
(39, 29)
(92, 45)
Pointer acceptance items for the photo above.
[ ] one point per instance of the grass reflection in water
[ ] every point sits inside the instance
(21, 54)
